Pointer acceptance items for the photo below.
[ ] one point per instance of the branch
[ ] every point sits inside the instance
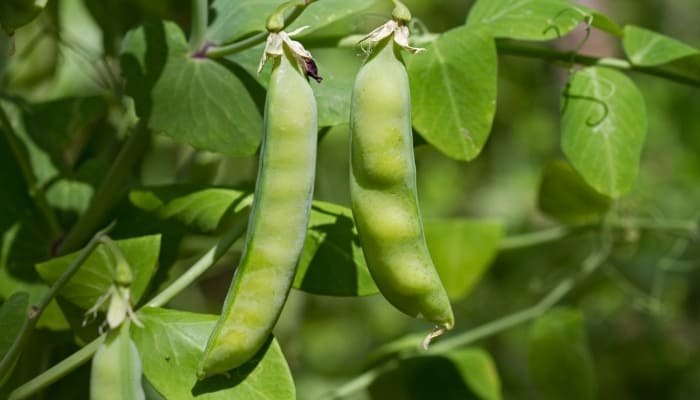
(260, 37)
(36, 193)
(110, 190)
(36, 310)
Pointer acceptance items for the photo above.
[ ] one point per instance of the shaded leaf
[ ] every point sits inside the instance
(201, 208)
(565, 196)
(559, 358)
(526, 19)
(462, 251)
(462, 374)
(171, 344)
(95, 276)
(461, 66)
(193, 100)
(13, 313)
(604, 124)
(17, 13)
(332, 262)
(647, 48)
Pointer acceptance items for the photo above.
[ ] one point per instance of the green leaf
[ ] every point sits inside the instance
(13, 313)
(323, 13)
(565, 196)
(559, 358)
(95, 277)
(478, 371)
(646, 48)
(604, 124)
(193, 100)
(171, 344)
(467, 373)
(526, 19)
(235, 19)
(201, 208)
(17, 13)
(332, 262)
(603, 22)
(461, 66)
(462, 251)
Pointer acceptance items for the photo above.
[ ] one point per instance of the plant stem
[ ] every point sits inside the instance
(58, 371)
(199, 267)
(362, 381)
(36, 310)
(36, 193)
(534, 51)
(200, 20)
(244, 44)
(110, 191)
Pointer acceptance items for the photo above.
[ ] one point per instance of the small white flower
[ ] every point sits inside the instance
(275, 48)
(400, 32)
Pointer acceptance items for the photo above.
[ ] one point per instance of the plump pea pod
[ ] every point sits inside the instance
(383, 189)
(277, 225)
(116, 368)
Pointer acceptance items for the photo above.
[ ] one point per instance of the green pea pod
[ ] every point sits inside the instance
(277, 225)
(116, 368)
(383, 189)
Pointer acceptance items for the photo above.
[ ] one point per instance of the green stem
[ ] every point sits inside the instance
(15, 350)
(36, 193)
(536, 238)
(200, 11)
(199, 267)
(58, 371)
(362, 381)
(244, 44)
(543, 53)
(110, 190)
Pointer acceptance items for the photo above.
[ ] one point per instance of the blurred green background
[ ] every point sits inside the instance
(641, 311)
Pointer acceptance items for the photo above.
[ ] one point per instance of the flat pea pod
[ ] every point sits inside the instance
(116, 368)
(277, 224)
(383, 189)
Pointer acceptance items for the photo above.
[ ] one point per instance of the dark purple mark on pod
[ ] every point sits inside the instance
(311, 69)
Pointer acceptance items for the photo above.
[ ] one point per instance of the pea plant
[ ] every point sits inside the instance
(277, 199)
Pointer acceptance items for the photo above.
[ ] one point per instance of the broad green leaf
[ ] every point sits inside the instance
(462, 374)
(95, 276)
(193, 100)
(559, 358)
(604, 124)
(460, 66)
(526, 19)
(603, 22)
(477, 370)
(646, 48)
(565, 196)
(462, 251)
(201, 208)
(235, 19)
(332, 262)
(13, 313)
(171, 344)
(17, 13)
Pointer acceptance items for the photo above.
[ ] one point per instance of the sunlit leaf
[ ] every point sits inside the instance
(646, 48)
(453, 91)
(604, 124)
(171, 344)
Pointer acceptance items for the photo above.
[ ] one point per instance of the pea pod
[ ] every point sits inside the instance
(116, 368)
(383, 188)
(278, 221)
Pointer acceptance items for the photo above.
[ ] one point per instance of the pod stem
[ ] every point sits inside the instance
(401, 13)
(438, 331)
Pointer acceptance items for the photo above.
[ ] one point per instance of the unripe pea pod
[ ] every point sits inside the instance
(383, 189)
(277, 224)
(116, 368)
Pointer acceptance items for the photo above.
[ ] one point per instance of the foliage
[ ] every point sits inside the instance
(566, 243)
